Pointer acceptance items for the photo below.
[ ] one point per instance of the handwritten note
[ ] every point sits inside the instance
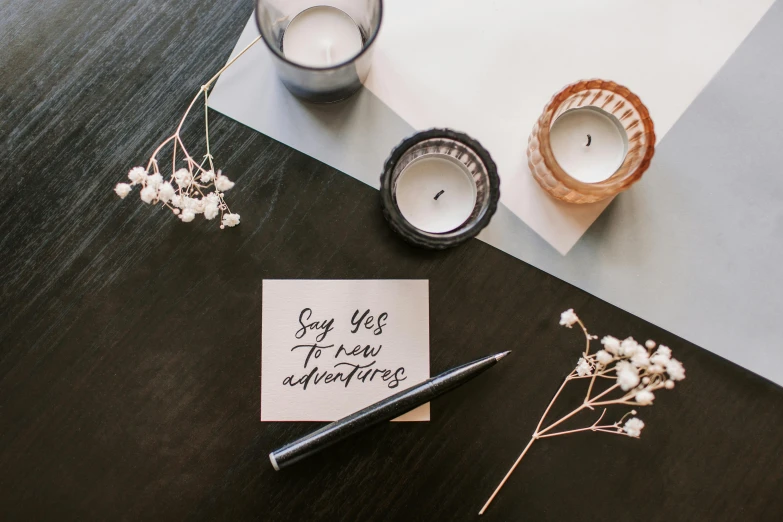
(332, 347)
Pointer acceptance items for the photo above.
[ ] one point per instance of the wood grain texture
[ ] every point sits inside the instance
(129, 359)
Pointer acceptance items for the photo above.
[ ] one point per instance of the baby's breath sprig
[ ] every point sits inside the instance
(638, 371)
(195, 188)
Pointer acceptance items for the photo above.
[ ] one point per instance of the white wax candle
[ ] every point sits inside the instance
(608, 143)
(321, 36)
(436, 193)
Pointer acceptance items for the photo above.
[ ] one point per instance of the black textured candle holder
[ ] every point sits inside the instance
(462, 148)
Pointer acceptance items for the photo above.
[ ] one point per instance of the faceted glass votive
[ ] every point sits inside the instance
(620, 103)
(453, 154)
(339, 74)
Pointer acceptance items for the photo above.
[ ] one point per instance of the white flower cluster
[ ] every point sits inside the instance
(568, 318)
(635, 363)
(633, 427)
(189, 194)
(639, 369)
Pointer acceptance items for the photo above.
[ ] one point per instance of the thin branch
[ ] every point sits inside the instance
(587, 404)
(174, 156)
(551, 403)
(188, 157)
(232, 60)
(203, 90)
(502, 482)
(619, 401)
(608, 390)
(587, 336)
(593, 427)
(154, 154)
(615, 432)
(602, 375)
(590, 388)
(589, 428)
(577, 410)
(206, 130)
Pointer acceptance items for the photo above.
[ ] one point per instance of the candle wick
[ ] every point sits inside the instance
(589, 140)
(438, 194)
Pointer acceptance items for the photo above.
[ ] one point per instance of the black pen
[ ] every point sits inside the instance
(387, 409)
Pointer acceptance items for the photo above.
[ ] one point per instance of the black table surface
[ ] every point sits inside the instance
(130, 342)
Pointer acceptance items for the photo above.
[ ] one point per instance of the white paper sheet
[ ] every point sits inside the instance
(332, 347)
(488, 68)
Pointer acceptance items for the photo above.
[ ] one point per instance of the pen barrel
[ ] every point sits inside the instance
(385, 410)
(388, 409)
(458, 376)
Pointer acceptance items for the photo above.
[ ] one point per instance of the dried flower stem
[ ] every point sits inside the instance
(199, 189)
(638, 372)
(176, 136)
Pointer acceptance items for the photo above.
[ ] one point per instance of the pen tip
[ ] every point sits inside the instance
(501, 355)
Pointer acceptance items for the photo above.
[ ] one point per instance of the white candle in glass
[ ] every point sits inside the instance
(588, 143)
(321, 36)
(436, 193)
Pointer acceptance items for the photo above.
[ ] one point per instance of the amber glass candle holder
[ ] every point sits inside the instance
(617, 101)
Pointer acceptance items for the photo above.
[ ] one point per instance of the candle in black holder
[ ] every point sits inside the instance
(439, 188)
(322, 51)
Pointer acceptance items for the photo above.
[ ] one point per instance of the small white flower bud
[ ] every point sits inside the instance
(154, 180)
(583, 367)
(568, 318)
(230, 220)
(187, 215)
(611, 344)
(122, 189)
(646, 380)
(183, 178)
(675, 370)
(633, 427)
(222, 183)
(603, 357)
(166, 192)
(645, 398)
(137, 174)
(148, 194)
(627, 375)
(210, 210)
(669, 385)
(650, 344)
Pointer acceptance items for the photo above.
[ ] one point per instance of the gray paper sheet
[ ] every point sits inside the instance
(696, 246)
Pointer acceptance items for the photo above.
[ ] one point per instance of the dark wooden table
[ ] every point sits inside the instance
(129, 359)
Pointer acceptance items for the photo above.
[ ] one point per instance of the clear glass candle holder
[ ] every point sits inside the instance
(614, 99)
(328, 83)
(460, 152)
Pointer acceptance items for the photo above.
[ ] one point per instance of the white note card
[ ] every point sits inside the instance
(332, 347)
